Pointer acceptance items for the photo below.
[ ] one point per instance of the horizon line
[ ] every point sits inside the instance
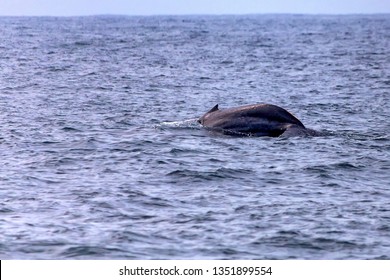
(201, 14)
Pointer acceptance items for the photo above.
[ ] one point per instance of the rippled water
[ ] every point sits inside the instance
(101, 156)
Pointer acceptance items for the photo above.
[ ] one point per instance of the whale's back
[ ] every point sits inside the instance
(258, 119)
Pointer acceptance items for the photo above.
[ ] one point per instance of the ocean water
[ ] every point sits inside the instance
(101, 156)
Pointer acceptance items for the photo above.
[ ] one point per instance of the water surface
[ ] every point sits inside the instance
(101, 156)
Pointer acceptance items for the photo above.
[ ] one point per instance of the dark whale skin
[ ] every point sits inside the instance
(254, 120)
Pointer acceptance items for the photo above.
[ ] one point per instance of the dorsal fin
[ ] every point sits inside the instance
(215, 108)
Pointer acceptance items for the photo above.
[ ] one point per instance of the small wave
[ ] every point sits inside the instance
(84, 251)
(6, 210)
(220, 173)
(82, 43)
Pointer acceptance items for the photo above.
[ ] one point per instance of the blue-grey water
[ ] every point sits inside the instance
(101, 156)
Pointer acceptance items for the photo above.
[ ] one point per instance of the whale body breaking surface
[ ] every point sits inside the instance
(255, 120)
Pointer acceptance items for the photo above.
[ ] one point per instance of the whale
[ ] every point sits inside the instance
(255, 120)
